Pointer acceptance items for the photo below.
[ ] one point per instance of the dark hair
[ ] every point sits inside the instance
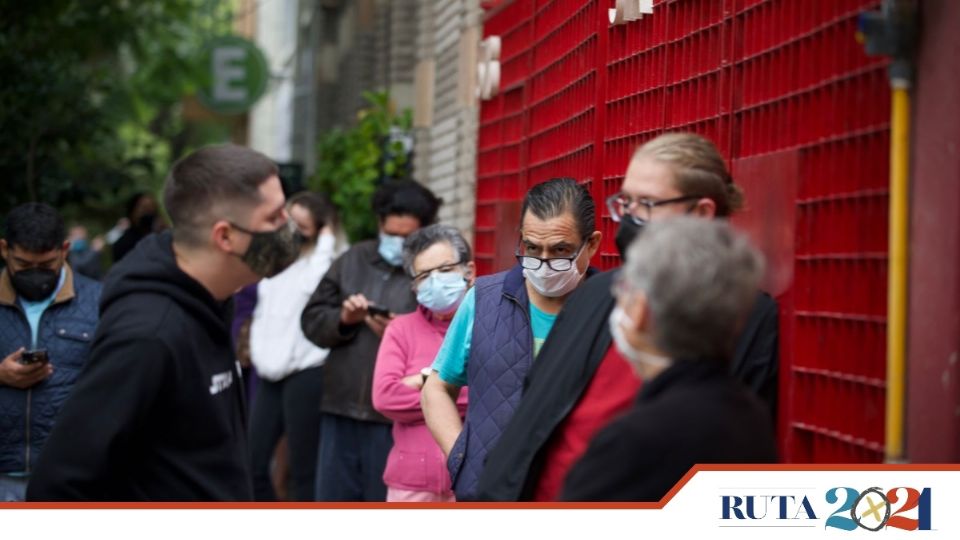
(35, 227)
(200, 184)
(134, 200)
(321, 209)
(406, 198)
(558, 196)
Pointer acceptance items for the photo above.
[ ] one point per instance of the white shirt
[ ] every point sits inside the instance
(278, 347)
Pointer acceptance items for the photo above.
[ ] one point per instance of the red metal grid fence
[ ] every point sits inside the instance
(786, 92)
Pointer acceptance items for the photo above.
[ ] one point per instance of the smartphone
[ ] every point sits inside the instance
(375, 309)
(36, 356)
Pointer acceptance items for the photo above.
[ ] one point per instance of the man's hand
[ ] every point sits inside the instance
(354, 309)
(378, 323)
(17, 375)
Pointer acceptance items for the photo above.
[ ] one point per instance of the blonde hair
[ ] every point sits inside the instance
(698, 168)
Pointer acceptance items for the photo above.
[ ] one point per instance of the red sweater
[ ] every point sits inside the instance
(611, 392)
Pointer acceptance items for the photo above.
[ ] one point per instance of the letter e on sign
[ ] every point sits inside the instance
(227, 72)
(236, 75)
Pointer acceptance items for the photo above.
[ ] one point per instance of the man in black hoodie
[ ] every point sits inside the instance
(158, 413)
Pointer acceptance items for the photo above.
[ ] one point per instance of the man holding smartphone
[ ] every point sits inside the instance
(48, 315)
(348, 313)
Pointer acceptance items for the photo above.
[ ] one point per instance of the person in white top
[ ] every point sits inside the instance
(287, 363)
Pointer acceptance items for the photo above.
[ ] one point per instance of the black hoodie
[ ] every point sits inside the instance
(158, 412)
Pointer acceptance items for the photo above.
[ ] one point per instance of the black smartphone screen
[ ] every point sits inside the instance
(374, 309)
(34, 356)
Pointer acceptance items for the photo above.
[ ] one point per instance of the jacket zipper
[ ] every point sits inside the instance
(30, 390)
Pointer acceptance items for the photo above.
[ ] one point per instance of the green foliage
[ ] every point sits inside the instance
(353, 162)
(90, 98)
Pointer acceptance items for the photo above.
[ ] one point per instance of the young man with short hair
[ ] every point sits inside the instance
(159, 412)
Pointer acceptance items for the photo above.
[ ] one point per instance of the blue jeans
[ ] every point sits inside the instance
(13, 488)
(351, 460)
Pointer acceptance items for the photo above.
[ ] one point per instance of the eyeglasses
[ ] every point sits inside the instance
(422, 276)
(620, 206)
(557, 264)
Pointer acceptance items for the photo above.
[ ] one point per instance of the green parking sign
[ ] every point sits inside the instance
(237, 75)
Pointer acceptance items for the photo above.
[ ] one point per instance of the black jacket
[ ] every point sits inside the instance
(348, 370)
(693, 412)
(158, 412)
(577, 344)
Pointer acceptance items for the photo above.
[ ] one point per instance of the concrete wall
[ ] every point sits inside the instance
(446, 114)
(933, 398)
(345, 47)
(271, 120)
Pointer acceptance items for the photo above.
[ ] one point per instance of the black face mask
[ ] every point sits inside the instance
(303, 239)
(628, 231)
(35, 284)
(271, 252)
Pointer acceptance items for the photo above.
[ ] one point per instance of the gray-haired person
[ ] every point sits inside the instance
(441, 265)
(682, 297)
(501, 324)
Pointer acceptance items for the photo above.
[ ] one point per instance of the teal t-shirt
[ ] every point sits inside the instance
(451, 361)
(34, 310)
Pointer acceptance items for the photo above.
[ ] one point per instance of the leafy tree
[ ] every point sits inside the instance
(353, 162)
(91, 94)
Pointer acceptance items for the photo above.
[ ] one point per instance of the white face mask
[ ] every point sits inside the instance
(619, 318)
(552, 283)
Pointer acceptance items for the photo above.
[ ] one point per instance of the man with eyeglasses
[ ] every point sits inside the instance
(503, 322)
(580, 381)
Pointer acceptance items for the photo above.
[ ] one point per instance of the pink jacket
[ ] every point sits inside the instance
(410, 344)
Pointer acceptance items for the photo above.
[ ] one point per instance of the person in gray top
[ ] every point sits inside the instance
(348, 313)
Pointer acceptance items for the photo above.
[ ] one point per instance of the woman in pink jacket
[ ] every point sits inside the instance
(441, 264)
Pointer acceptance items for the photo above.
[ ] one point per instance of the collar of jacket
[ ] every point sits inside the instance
(8, 295)
(514, 284)
(680, 372)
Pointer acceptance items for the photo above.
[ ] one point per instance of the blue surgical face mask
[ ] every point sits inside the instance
(442, 292)
(391, 249)
(79, 245)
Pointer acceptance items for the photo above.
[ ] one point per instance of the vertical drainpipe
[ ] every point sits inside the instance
(892, 32)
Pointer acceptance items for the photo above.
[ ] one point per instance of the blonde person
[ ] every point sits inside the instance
(580, 381)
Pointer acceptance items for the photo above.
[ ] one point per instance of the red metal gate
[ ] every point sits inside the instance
(786, 92)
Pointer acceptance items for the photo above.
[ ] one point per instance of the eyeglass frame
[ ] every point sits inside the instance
(647, 203)
(542, 260)
(443, 268)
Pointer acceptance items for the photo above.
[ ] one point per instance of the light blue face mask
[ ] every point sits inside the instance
(79, 245)
(391, 249)
(442, 292)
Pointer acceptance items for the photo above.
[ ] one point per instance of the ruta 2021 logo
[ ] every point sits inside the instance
(872, 509)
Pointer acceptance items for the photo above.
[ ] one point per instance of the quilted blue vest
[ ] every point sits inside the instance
(501, 353)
